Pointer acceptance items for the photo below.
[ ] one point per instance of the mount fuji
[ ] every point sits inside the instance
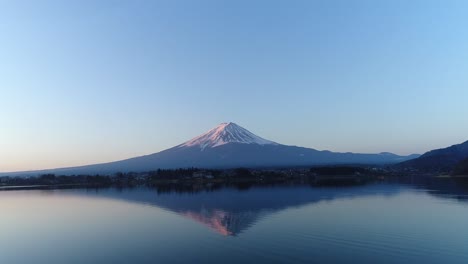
(229, 145)
(226, 133)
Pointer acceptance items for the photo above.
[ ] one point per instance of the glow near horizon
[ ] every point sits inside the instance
(86, 82)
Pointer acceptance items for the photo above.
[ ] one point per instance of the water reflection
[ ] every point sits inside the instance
(234, 209)
(448, 188)
(231, 210)
(406, 221)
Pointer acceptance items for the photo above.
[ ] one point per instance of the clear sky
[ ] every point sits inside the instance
(83, 82)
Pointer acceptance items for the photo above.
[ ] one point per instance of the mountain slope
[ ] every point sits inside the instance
(439, 160)
(461, 168)
(228, 146)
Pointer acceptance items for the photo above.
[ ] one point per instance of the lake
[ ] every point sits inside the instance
(422, 221)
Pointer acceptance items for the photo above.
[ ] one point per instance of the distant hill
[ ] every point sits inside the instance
(229, 145)
(439, 160)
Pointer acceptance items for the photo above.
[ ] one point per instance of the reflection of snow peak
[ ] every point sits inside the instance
(215, 220)
(226, 133)
(224, 223)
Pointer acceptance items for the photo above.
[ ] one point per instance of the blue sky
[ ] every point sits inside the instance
(93, 81)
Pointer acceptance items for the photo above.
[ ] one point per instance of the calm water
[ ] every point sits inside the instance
(377, 223)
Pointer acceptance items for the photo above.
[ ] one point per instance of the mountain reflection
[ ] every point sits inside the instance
(231, 210)
(449, 188)
(225, 223)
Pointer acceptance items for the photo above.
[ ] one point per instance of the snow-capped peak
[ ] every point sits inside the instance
(226, 133)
